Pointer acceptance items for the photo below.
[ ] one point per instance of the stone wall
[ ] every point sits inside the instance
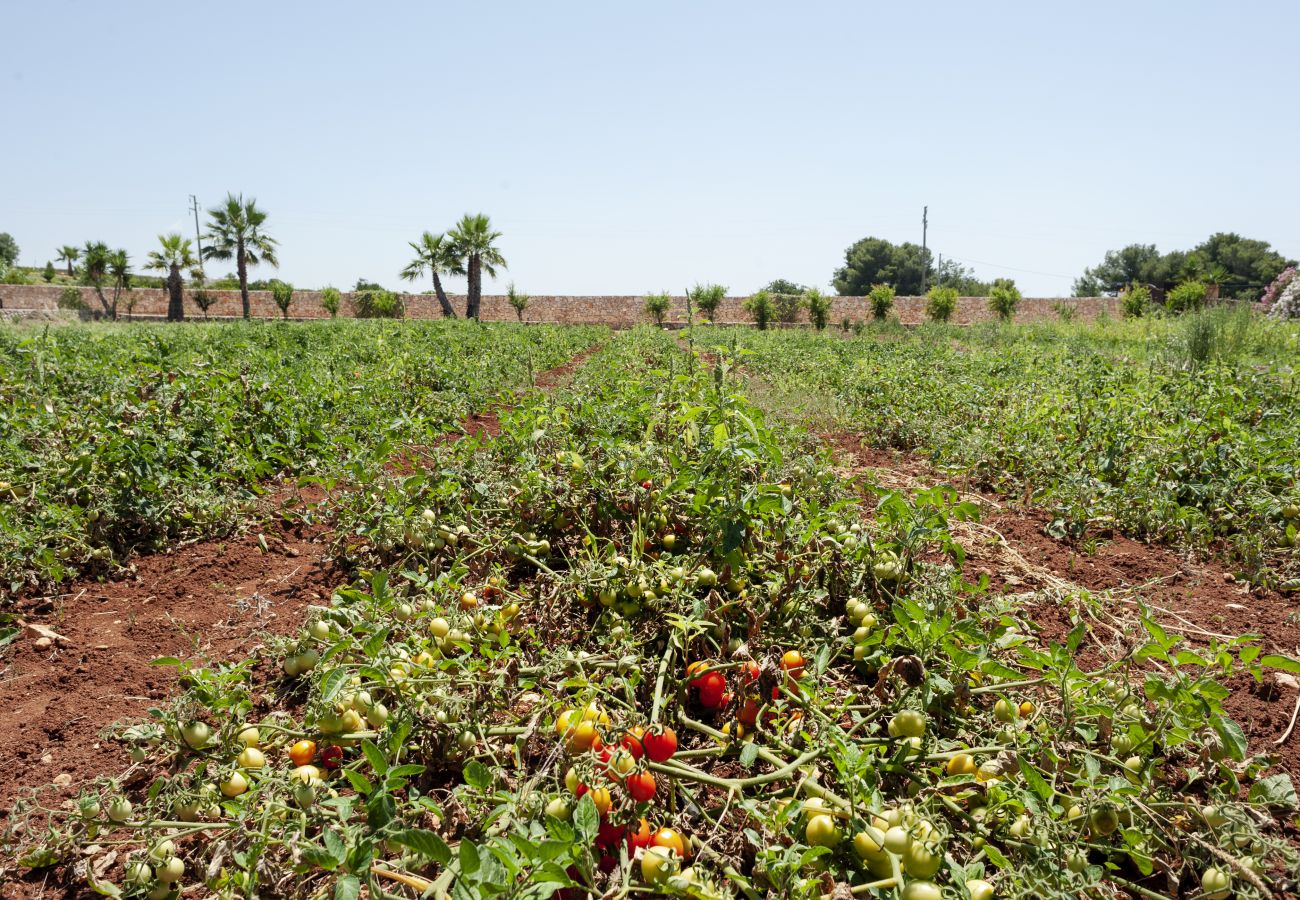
(615, 311)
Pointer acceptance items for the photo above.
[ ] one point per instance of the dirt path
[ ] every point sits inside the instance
(214, 600)
(1198, 600)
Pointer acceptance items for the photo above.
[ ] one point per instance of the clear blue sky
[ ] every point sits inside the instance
(627, 148)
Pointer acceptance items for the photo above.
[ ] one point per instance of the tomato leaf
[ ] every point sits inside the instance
(425, 842)
(1234, 739)
(995, 856)
(1275, 790)
(348, 887)
(585, 819)
(375, 757)
(748, 754)
(477, 775)
(1034, 780)
(468, 856)
(333, 683)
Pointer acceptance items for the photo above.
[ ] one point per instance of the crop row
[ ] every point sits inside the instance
(646, 641)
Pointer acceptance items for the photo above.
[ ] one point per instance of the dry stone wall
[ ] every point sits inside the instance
(614, 311)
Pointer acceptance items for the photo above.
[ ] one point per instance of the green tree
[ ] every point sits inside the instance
(707, 298)
(236, 231)
(68, 255)
(785, 286)
(282, 294)
(657, 306)
(1135, 263)
(759, 306)
(786, 307)
(961, 279)
(1135, 301)
(874, 260)
(1004, 297)
(882, 301)
(1241, 266)
(49, 273)
(940, 303)
(8, 250)
(119, 275)
(475, 243)
(518, 302)
(436, 254)
(330, 299)
(176, 253)
(819, 308)
(94, 272)
(1185, 297)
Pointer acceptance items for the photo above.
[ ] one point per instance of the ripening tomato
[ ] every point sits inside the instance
(302, 753)
(748, 714)
(751, 672)
(660, 745)
(602, 798)
(620, 764)
(583, 737)
(695, 672)
(634, 741)
(670, 838)
(641, 787)
(792, 662)
(639, 838)
(331, 757)
(712, 687)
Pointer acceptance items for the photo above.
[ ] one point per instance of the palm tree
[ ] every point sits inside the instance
(95, 272)
(235, 232)
(177, 253)
(473, 238)
(119, 270)
(436, 254)
(68, 254)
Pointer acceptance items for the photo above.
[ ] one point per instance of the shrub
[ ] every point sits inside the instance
(518, 302)
(882, 301)
(329, 299)
(846, 324)
(1004, 297)
(204, 300)
(282, 294)
(785, 307)
(70, 298)
(377, 303)
(940, 303)
(12, 276)
(708, 297)
(657, 306)
(1064, 311)
(1287, 305)
(49, 272)
(1188, 296)
(819, 308)
(760, 307)
(1135, 301)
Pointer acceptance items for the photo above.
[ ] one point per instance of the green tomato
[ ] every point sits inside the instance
(170, 871)
(979, 889)
(658, 864)
(908, 723)
(922, 860)
(1215, 884)
(821, 831)
(921, 890)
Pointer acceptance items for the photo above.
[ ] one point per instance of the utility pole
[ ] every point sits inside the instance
(925, 222)
(194, 206)
(938, 272)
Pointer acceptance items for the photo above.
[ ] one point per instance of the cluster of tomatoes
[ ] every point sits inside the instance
(709, 689)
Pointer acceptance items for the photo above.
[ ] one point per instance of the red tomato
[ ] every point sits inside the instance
(748, 713)
(667, 837)
(751, 671)
(610, 834)
(792, 661)
(641, 787)
(634, 741)
(641, 837)
(647, 484)
(713, 688)
(331, 757)
(661, 745)
(695, 672)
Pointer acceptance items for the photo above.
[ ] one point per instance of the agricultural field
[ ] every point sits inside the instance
(459, 611)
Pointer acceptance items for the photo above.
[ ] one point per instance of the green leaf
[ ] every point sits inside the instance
(469, 857)
(332, 683)
(334, 846)
(348, 887)
(360, 783)
(1275, 790)
(425, 842)
(995, 856)
(748, 754)
(477, 775)
(380, 810)
(1234, 739)
(1034, 780)
(586, 819)
(375, 757)
(1285, 663)
(410, 770)
(103, 888)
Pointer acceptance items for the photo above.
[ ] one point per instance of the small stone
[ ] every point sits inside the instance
(63, 779)
(47, 759)
(43, 643)
(1229, 577)
(1236, 607)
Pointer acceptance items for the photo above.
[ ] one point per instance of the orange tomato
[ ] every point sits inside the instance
(634, 741)
(792, 662)
(673, 840)
(583, 737)
(602, 798)
(302, 753)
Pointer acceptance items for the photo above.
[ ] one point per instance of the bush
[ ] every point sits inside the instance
(204, 300)
(707, 297)
(940, 303)
(329, 299)
(785, 307)
(282, 294)
(657, 306)
(760, 307)
(1188, 296)
(1135, 301)
(882, 301)
(518, 302)
(819, 308)
(1064, 311)
(49, 272)
(846, 324)
(12, 276)
(1004, 297)
(70, 298)
(377, 303)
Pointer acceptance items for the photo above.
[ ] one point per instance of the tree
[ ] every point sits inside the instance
(1135, 300)
(329, 299)
(882, 301)
(119, 273)
(8, 250)
(657, 306)
(785, 307)
(1185, 297)
(1004, 297)
(785, 286)
(1241, 266)
(518, 301)
(953, 274)
(759, 305)
(282, 294)
(876, 261)
(940, 302)
(202, 298)
(819, 308)
(475, 243)
(49, 273)
(235, 232)
(436, 254)
(68, 255)
(176, 253)
(95, 272)
(708, 297)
